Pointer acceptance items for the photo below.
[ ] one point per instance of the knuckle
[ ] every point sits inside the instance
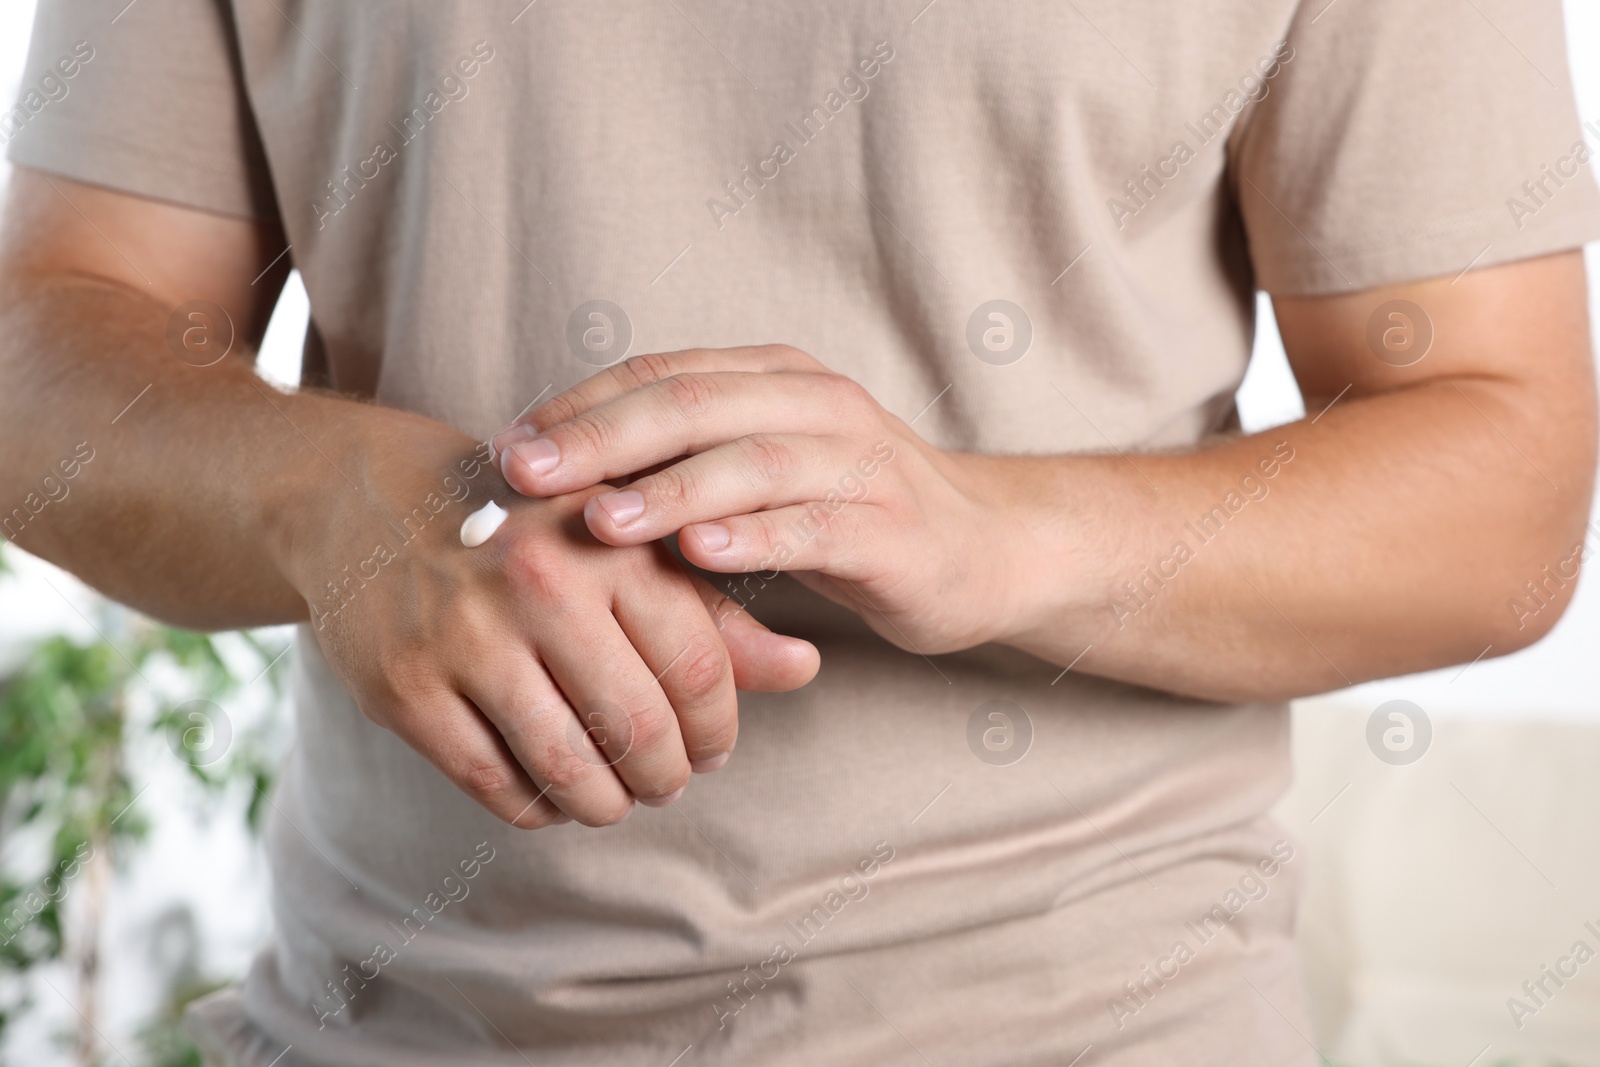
(849, 400)
(528, 554)
(768, 455)
(702, 673)
(523, 722)
(789, 354)
(693, 394)
(648, 368)
(714, 742)
(673, 487)
(563, 771)
(553, 412)
(763, 532)
(716, 736)
(525, 555)
(408, 674)
(589, 432)
(848, 393)
(648, 727)
(494, 782)
(538, 567)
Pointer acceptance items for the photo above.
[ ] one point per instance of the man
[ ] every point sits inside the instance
(942, 309)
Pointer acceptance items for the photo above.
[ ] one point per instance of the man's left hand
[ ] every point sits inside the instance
(763, 460)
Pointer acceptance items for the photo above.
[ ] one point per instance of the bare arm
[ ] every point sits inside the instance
(84, 307)
(1413, 509)
(214, 500)
(1383, 534)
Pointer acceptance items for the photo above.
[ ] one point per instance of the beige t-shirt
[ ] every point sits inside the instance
(969, 858)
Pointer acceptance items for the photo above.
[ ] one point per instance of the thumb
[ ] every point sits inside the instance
(763, 662)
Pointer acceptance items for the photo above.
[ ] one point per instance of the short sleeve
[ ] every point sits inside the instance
(148, 101)
(1400, 141)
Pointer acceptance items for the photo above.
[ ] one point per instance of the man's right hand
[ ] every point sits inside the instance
(215, 502)
(544, 673)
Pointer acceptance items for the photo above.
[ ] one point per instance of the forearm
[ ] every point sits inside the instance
(201, 478)
(1388, 536)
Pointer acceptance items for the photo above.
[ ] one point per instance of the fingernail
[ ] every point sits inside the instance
(706, 766)
(539, 455)
(513, 435)
(559, 819)
(661, 802)
(623, 507)
(713, 537)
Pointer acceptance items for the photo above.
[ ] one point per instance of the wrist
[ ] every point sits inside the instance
(365, 483)
(1071, 525)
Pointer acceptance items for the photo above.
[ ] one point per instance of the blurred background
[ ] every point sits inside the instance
(1450, 821)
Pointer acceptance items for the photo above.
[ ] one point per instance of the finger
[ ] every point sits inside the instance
(681, 415)
(812, 536)
(449, 732)
(678, 641)
(547, 739)
(753, 473)
(763, 662)
(644, 370)
(620, 704)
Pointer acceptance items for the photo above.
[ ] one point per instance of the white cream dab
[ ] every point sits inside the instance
(481, 524)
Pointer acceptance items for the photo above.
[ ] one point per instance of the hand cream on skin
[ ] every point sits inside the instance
(481, 524)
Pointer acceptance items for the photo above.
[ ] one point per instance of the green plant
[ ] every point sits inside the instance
(162, 1039)
(68, 797)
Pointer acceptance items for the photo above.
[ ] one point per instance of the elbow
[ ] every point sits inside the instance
(1538, 597)
(1539, 586)
(1546, 536)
